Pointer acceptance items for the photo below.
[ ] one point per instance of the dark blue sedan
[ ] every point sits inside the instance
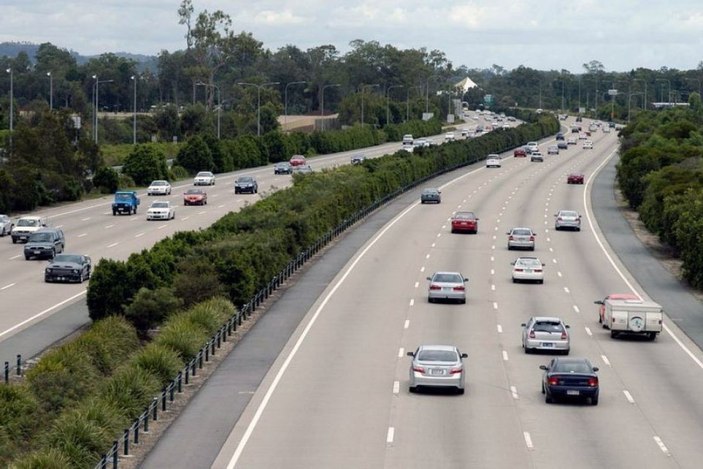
(572, 378)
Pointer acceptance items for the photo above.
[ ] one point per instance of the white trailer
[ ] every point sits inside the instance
(632, 317)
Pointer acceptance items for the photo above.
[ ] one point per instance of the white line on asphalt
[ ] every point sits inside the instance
(554, 261)
(498, 221)
(495, 305)
(390, 435)
(439, 234)
(81, 235)
(493, 287)
(588, 330)
(107, 213)
(412, 301)
(202, 212)
(492, 258)
(493, 272)
(528, 440)
(16, 257)
(396, 387)
(407, 324)
(401, 352)
(422, 269)
(605, 360)
(434, 244)
(495, 228)
(107, 227)
(628, 396)
(7, 286)
(427, 256)
(494, 236)
(548, 239)
(28, 320)
(221, 206)
(617, 269)
(566, 289)
(551, 249)
(662, 447)
(85, 219)
(185, 218)
(576, 309)
(59, 226)
(500, 329)
(161, 227)
(505, 355)
(139, 235)
(417, 284)
(558, 274)
(112, 245)
(493, 247)
(513, 391)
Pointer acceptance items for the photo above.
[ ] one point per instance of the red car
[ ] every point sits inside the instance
(613, 296)
(465, 221)
(298, 160)
(520, 153)
(574, 178)
(195, 197)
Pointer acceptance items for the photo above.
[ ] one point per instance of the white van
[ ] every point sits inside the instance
(632, 316)
(407, 139)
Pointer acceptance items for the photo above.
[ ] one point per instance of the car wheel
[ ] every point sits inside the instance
(578, 229)
(566, 352)
(547, 398)
(26, 258)
(14, 240)
(614, 334)
(540, 281)
(53, 253)
(515, 280)
(412, 389)
(532, 248)
(430, 300)
(652, 335)
(463, 302)
(114, 213)
(594, 400)
(510, 248)
(460, 391)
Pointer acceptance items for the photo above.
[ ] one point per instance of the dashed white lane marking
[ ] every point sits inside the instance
(661, 445)
(605, 360)
(628, 396)
(107, 227)
(588, 330)
(500, 329)
(551, 249)
(202, 212)
(576, 309)
(422, 269)
(82, 235)
(554, 261)
(412, 301)
(558, 274)
(221, 206)
(7, 286)
(85, 219)
(548, 239)
(401, 352)
(493, 247)
(444, 226)
(528, 440)
(427, 256)
(513, 391)
(492, 258)
(493, 272)
(494, 236)
(16, 257)
(495, 305)
(396, 387)
(417, 284)
(161, 227)
(112, 245)
(407, 324)
(391, 435)
(139, 235)
(495, 228)
(505, 355)
(434, 244)
(493, 287)
(107, 213)
(566, 289)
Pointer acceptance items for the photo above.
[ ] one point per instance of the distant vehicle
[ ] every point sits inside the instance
(125, 202)
(161, 210)
(437, 366)
(297, 160)
(159, 187)
(528, 269)
(465, 221)
(532, 147)
(358, 159)
(560, 136)
(588, 145)
(407, 139)
(567, 219)
(44, 244)
(575, 178)
(450, 286)
(575, 129)
(562, 145)
(204, 178)
(521, 238)
(302, 169)
(68, 268)
(246, 184)
(25, 227)
(606, 130)
(570, 378)
(583, 136)
(632, 316)
(571, 141)
(430, 195)
(536, 156)
(553, 150)
(195, 196)
(493, 161)
(421, 143)
(464, 132)
(545, 333)
(283, 167)
(6, 225)
(520, 153)
(579, 118)
(449, 137)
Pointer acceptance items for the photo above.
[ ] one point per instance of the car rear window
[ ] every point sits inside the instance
(548, 326)
(437, 356)
(465, 215)
(522, 232)
(567, 213)
(573, 367)
(448, 278)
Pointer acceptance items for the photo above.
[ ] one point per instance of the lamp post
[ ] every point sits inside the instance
(285, 100)
(97, 94)
(258, 101)
(407, 100)
(322, 103)
(219, 103)
(134, 110)
(12, 110)
(388, 99)
(362, 99)
(51, 91)
(629, 103)
(669, 88)
(644, 106)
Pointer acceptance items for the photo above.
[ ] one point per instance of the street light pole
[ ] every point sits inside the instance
(258, 101)
(669, 86)
(362, 100)
(285, 101)
(644, 106)
(322, 103)
(12, 99)
(134, 111)
(97, 89)
(388, 98)
(51, 91)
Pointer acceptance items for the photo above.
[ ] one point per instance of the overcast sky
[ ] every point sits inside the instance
(541, 34)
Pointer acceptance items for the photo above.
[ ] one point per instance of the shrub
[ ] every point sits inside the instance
(195, 155)
(150, 307)
(81, 440)
(159, 360)
(46, 458)
(179, 173)
(106, 180)
(108, 343)
(130, 389)
(145, 163)
(182, 336)
(21, 418)
(196, 281)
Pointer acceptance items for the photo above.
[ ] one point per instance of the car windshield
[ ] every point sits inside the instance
(25, 222)
(437, 356)
(4, 218)
(204, 174)
(40, 238)
(71, 258)
(568, 213)
(123, 196)
(522, 232)
(448, 278)
(548, 326)
(572, 367)
(159, 205)
(465, 215)
(194, 191)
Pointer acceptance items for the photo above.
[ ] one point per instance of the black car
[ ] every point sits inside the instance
(570, 378)
(44, 244)
(68, 268)
(283, 167)
(562, 145)
(560, 136)
(246, 184)
(430, 195)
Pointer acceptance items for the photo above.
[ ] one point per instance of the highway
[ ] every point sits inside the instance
(336, 395)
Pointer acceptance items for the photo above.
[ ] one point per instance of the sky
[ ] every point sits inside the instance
(544, 35)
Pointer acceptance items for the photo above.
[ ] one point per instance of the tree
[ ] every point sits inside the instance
(146, 163)
(195, 155)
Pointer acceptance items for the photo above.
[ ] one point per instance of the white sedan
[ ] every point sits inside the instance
(159, 187)
(528, 269)
(204, 178)
(493, 161)
(161, 210)
(588, 145)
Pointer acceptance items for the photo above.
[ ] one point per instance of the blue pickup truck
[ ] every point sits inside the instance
(125, 202)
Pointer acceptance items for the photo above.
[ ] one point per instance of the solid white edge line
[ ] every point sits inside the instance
(605, 360)
(390, 435)
(528, 440)
(505, 355)
(661, 445)
(401, 352)
(8, 286)
(612, 262)
(28, 320)
(406, 324)
(628, 396)
(396, 387)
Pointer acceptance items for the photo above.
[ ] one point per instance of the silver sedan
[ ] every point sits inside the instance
(6, 225)
(567, 219)
(449, 286)
(546, 333)
(521, 238)
(437, 366)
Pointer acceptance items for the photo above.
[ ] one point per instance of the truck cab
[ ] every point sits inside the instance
(631, 316)
(125, 202)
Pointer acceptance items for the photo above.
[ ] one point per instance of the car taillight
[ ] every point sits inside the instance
(454, 371)
(592, 382)
(563, 335)
(459, 288)
(418, 369)
(538, 270)
(559, 219)
(532, 334)
(510, 237)
(435, 287)
(532, 238)
(552, 381)
(518, 270)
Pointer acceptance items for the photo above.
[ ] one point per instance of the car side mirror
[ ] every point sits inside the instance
(595, 368)
(543, 367)
(477, 219)
(512, 263)
(598, 302)
(411, 354)
(464, 355)
(429, 278)
(466, 279)
(567, 326)
(523, 324)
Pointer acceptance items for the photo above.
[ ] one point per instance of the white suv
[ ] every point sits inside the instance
(26, 226)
